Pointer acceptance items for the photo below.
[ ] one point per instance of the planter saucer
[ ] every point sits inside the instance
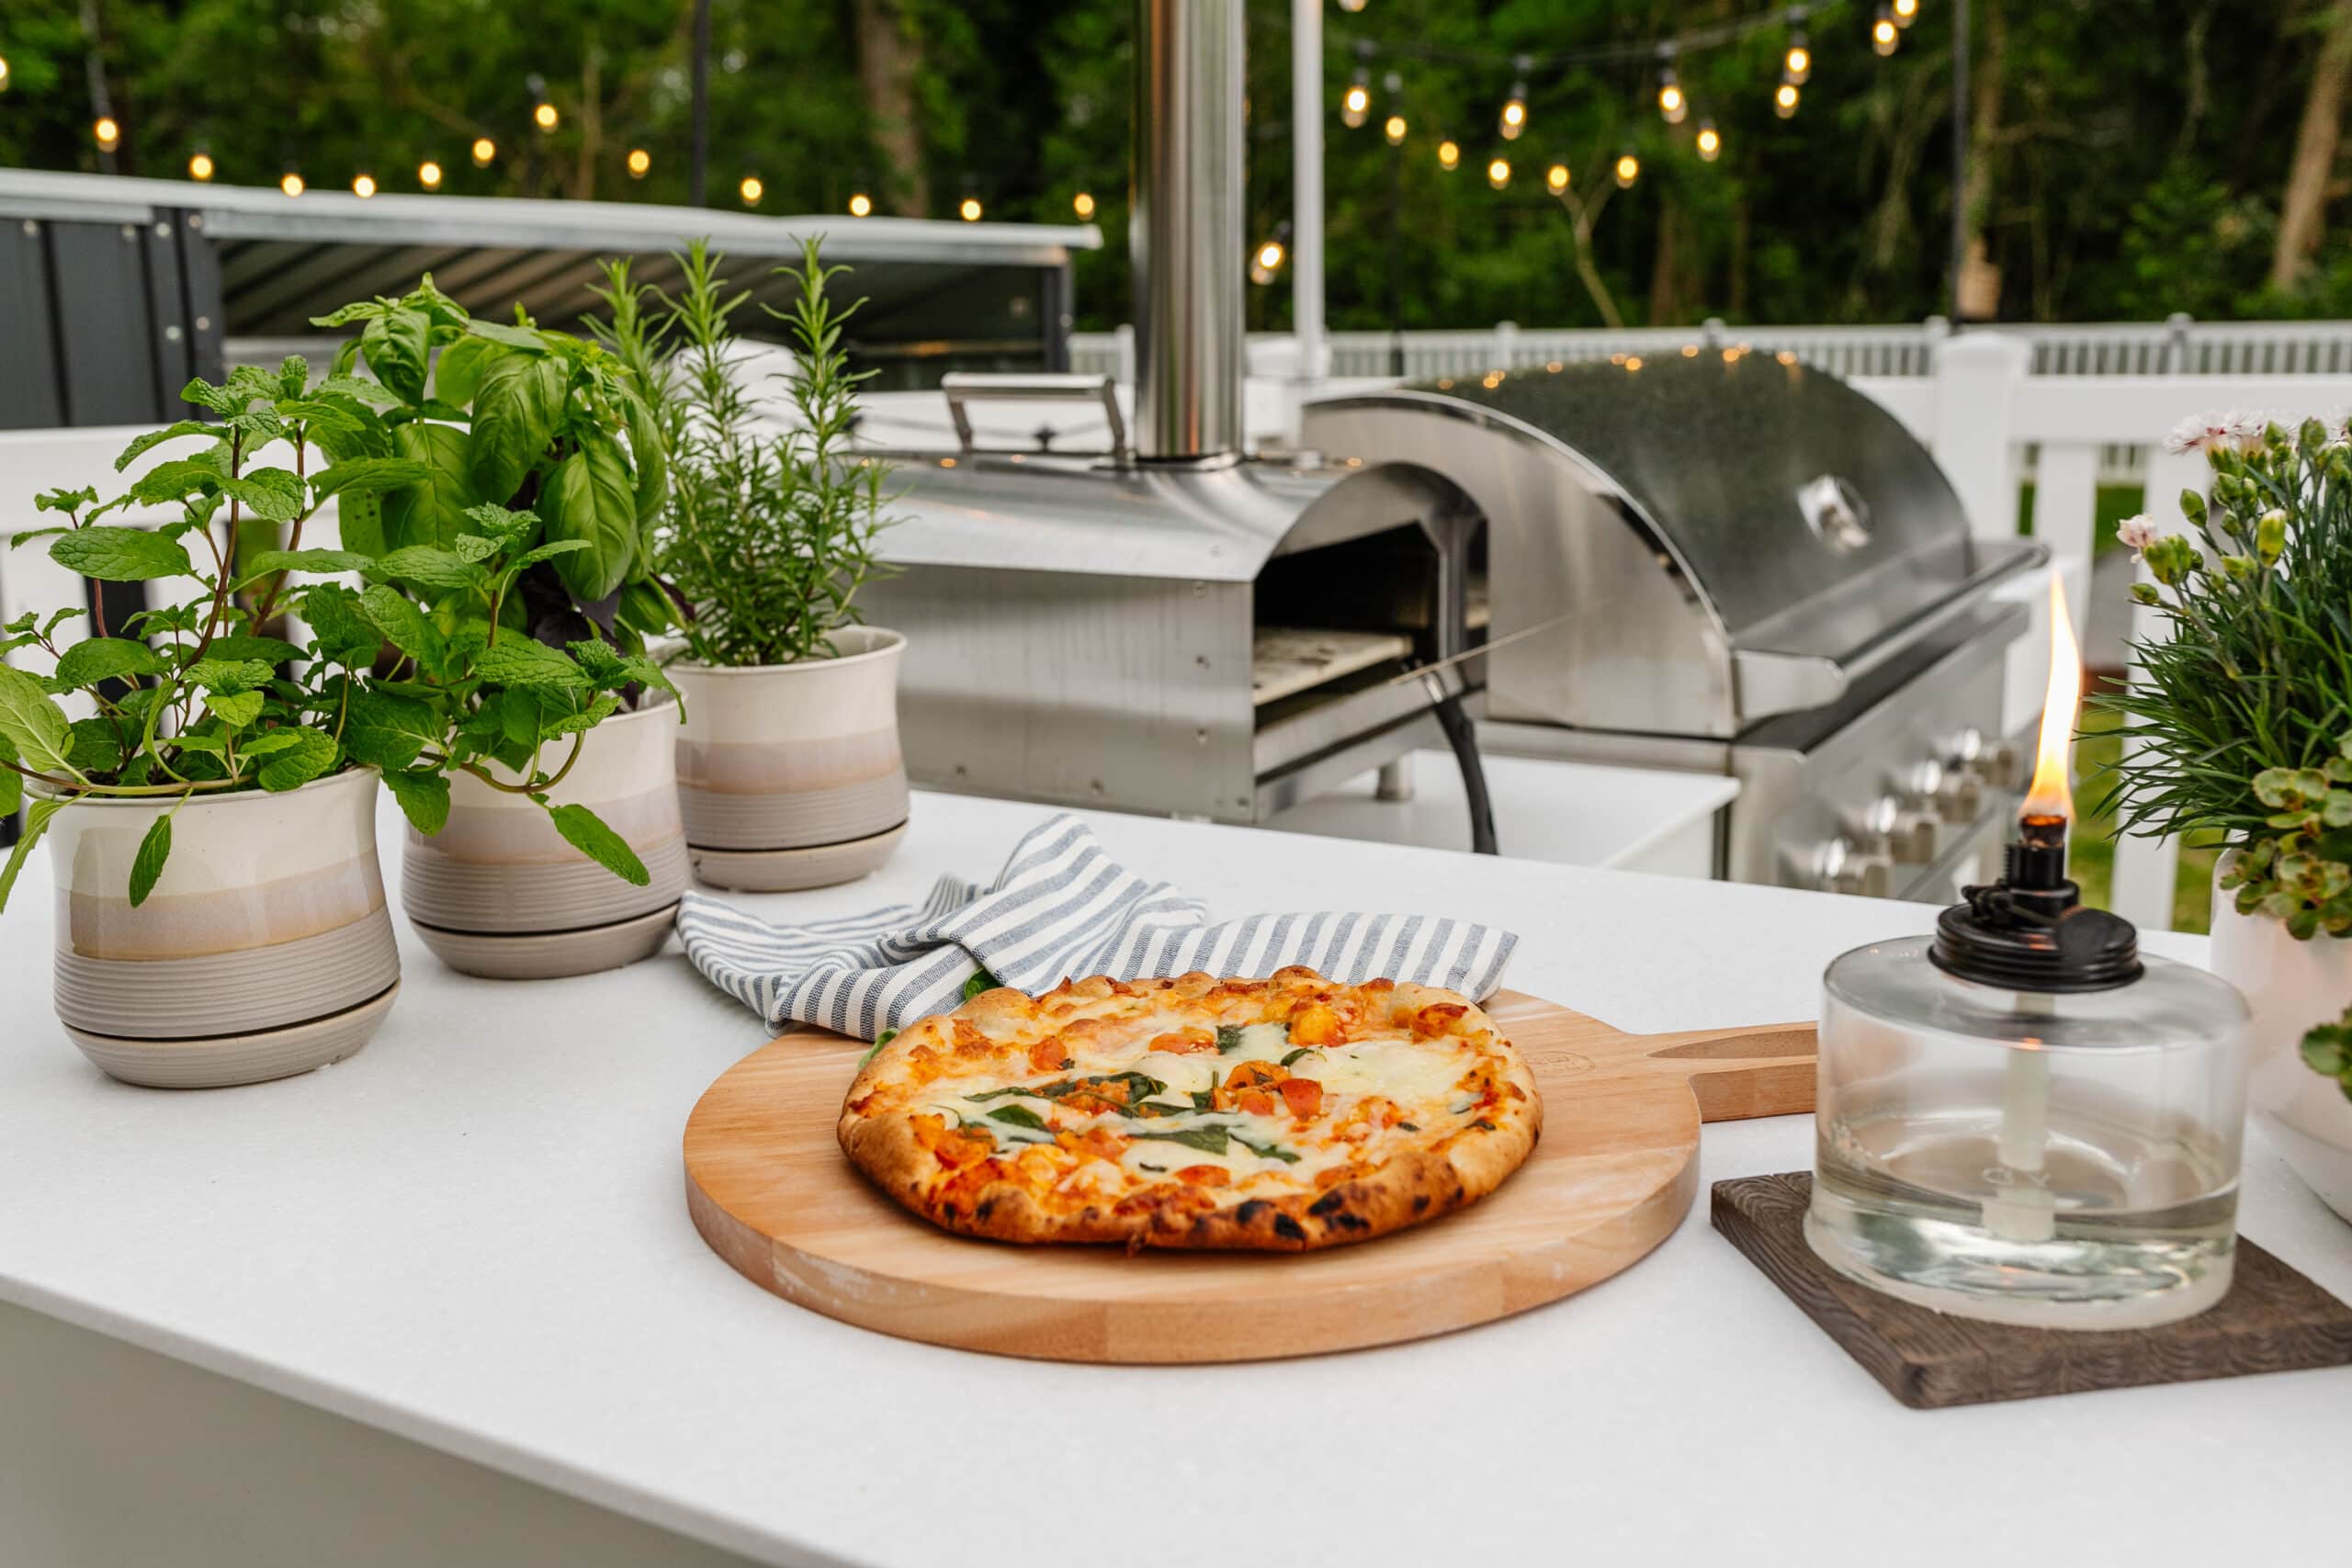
(255, 1057)
(790, 871)
(550, 955)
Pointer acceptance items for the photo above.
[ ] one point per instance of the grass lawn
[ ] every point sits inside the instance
(2091, 860)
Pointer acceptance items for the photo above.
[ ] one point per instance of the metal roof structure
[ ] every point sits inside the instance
(972, 287)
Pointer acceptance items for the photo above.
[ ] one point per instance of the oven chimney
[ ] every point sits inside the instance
(1185, 233)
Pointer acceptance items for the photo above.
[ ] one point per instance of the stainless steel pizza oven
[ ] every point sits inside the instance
(1165, 623)
(1728, 562)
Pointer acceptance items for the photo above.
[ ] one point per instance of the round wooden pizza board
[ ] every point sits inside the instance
(1614, 1173)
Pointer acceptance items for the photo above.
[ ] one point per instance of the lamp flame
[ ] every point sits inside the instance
(2051, 794)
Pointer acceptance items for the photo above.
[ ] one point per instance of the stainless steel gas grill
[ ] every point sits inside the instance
(1728, 563)
(1170, 626)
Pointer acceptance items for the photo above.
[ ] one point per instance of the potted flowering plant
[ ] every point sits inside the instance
(212, 819)
(557, 848)
(790, 771)
(2240, 722)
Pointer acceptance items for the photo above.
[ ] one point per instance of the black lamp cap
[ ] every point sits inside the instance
(2030, 931)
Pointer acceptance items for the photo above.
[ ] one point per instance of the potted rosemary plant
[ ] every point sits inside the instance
(790, 771)
(2242, 724)
(520, 594)
(211, 816)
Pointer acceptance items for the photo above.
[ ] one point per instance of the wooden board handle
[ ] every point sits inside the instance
(1760, 1070)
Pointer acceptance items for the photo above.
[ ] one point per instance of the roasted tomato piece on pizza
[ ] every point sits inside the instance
(1283, 1115)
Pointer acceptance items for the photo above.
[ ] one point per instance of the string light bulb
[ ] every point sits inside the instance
(1499, 173)
(1796, 65)
(1628, 169)
(1355, 105)
(1514, 117)
(109, 133)
(200, 166)
(544, 116)
(1267, 260)
(1082, 204)
(1905, 12)
(428, 175)
(1711, 141)
(641, 163)
(1784, 100)
(1670, 100)
(1555, 178)
(363, 186)
(4, 73)
(1351, 7)
(1394, 129)
(861, 205)
(485, 151)
(1449, 154)
(290, 182)
(751, 190)
(1884, 34)
(968, 210)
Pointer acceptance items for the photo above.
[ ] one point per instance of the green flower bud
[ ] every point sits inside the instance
(2339, 466)
(2238, 569)
(2171, 560)
(2313, 436)
(2145, 593)
(2192, 506)
(2271, 537)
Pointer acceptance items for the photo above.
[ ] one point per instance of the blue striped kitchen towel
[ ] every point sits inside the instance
(1059, 909)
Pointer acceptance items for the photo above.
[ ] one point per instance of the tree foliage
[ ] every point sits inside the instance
(2134, 152)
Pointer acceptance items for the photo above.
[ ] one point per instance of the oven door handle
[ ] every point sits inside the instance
(966, 387)
(1774, 681)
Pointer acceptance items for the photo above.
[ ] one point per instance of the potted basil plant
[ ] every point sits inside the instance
(559, 848)
(789, 764)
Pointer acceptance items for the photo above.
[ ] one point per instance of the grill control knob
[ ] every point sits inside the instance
(1844, 868)
(1950, 795)
(1994, 764)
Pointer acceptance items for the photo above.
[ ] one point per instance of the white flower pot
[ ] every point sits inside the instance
(499, 892)
(264, 950)
(789, 776)
(2290, 986)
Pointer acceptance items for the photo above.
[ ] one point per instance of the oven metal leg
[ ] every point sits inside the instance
(1395, 779)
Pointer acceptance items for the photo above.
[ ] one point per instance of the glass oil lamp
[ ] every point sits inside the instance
(2022, 1118)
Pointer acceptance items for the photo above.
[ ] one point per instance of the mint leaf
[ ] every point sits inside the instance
(424, 799)
(32, 723)
(298, 765)
(108, 659)
(586, 832)
(235, 709)
(442, 571)
(404, 625)
(274, 495)
(37, 815)
(268, 561)
(519, 661)
(245, 647)
(227, 676)
(363, 476)
(121, 554)
(594, 714)
(156, 437)
(148, 863)
(385, 731)
(97, 746)
(346, 636)
(268, 742)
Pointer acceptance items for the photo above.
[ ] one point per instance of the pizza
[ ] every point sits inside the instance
(1286, 1114)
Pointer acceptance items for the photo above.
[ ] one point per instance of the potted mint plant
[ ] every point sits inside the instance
(212, 817)
(2242, 724)
(558, 849)
(790, 771)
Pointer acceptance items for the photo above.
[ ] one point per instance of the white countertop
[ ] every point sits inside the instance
(1545, 808)
(473, 1233)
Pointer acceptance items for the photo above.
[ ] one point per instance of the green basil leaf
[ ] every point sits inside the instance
(32, 723)
(586, 831)
(1211, 1140)
(394, 345)
(983, 981)
(37, 815)
(516, 404)
(108, 659)
(459, 369)
(1267, 1151)
(590, 497)
(298, 765)
(148, 863)
(1228, 1038)
(431, 510)
(645, 448)
(423, 799)
(1018, 1116)
(121, 554)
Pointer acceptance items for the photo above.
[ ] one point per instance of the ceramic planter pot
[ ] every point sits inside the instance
(498, 891)
(2290, 986)
(789, 774)
(264, 949)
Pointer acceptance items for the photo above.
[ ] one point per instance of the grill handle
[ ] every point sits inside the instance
(967, 387)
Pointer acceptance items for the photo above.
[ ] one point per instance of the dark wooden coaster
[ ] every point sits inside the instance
(2273, 1320)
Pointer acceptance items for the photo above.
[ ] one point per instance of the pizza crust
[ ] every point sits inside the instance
(986, 1040)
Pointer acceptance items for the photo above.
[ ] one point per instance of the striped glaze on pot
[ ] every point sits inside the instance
(499, 866)
(793, 756)
(269, 914)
